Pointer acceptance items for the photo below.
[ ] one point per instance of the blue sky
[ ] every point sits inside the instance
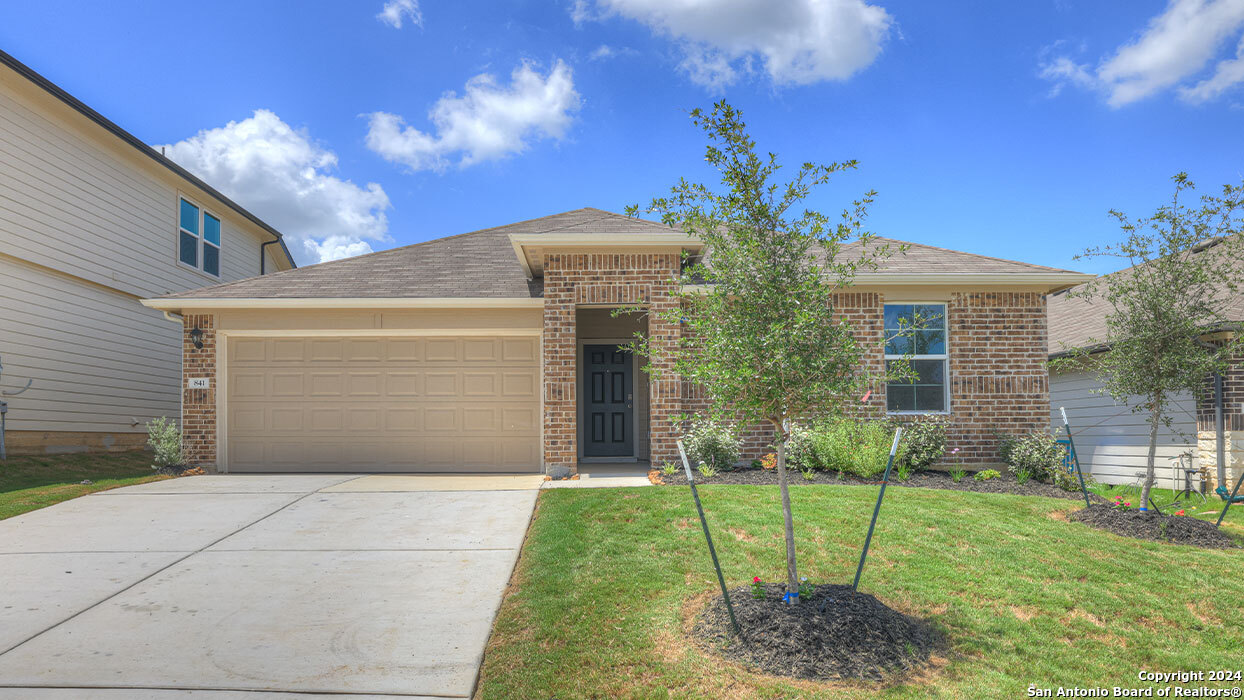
(1005, 129)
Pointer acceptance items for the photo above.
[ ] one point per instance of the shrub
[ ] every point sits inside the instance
(669, 469)
(164, 439)
(711, 443)
(706, 471)
(800, 449)
(859, 447)
(924, 443)
(986, 475)
(1038, 456)
(957, 473)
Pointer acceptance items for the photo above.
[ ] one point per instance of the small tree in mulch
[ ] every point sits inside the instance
(1185, 262)
(761, 332)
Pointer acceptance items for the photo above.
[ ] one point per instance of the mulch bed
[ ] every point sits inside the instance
(927, 480)
(1150, 525)
(855, 637)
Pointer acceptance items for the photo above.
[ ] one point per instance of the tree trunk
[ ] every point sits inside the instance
(1155, 421)
(792, 570)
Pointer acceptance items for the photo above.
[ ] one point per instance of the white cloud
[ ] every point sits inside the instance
(605, 51)
(396, 11)
(798, 42)
(1227, 73)
(1174, 47)
(278, 173)
(488, 121)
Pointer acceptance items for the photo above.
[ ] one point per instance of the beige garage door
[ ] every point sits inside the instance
(383, 404)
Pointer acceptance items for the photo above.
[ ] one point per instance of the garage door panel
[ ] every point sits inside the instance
(521, 350)
(285, 350)
(383, 404)
(326, 350)
(441, 350)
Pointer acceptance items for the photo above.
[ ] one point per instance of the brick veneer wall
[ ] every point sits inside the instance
(585, 279)
(198, 406)
(998, 375)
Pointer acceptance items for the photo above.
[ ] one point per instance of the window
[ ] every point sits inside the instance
(198, 238)
(917, 332)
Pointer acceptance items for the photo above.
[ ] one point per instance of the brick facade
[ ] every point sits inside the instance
(997, 346)
(998, 379)
(198, 406)
(572, 280)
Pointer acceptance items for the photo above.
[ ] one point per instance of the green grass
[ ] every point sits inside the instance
(598, 603)
(30, 483)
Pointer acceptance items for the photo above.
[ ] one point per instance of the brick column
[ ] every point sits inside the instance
(198, 406)
(572, 280)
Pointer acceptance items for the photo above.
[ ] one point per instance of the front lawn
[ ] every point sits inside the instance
(598, 602)
(30, 483)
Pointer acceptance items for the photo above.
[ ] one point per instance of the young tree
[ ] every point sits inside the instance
(1185, 260)
(761, 334)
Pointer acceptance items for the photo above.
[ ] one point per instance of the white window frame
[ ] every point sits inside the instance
(944, 357)
(200, 237)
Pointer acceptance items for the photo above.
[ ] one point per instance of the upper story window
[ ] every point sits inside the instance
(917, 332)
(198, 238)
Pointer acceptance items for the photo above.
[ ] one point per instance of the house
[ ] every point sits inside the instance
(1112, 441)
(497, 350)
(92, 220)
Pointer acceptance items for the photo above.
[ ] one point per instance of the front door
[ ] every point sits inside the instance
(609, 414)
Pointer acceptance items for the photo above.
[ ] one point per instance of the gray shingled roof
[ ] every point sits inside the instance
(480, 264)
(483, 264)
(1077, 322)
(927, 260)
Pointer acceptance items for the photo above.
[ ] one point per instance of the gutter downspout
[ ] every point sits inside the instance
(263, 260)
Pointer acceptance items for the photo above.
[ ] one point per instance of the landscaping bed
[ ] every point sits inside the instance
(928, 480)
(1151, 525)
(854, 637)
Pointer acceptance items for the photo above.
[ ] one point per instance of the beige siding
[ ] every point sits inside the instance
(1113, 442)
(75, 199)
(98, 358)
(88, 225)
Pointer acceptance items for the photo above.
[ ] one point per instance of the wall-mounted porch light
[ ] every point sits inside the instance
(196, 337)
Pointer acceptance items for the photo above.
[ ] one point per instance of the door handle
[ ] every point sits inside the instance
(628, 400)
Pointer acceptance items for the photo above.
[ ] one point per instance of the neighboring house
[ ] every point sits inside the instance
(497, 351)
(92, 220)
(1112, 440)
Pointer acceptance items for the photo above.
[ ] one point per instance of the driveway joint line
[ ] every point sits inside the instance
(152, 574)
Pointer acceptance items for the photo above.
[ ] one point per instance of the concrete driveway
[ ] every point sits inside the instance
(224, 586)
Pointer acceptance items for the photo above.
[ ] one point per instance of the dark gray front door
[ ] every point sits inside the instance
(609, 416)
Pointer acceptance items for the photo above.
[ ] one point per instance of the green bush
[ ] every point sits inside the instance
(164, 439)
(986, 475)
(711, 443)
(859, 447)
(1039, 456)
(800, 448)
(924, 443)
